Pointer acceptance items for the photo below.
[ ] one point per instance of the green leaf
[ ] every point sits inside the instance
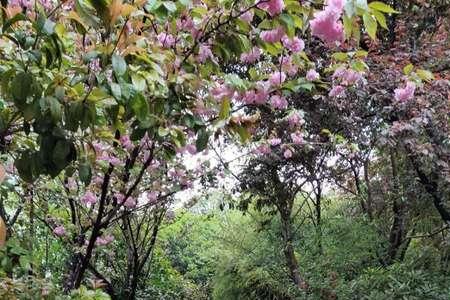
(162, 131)
(425, 75)
(63, 153)
(202, 140)
(140, 108)
(224, 109)
(170, 6)
(119, 65)
(85, 172)
(380, 18)
(380, 6)
(370, 24)
(21, 87)
(408, 69)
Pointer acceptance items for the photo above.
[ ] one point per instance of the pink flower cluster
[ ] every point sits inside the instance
(89, 198)
(272, 7)
(204, 52)
(277, 78)
(294, 45)
(406, 93)
(272, 36)
(103, 241)
(312, 75)
(167, 40)
(278, 102)
(59, 230)
(326, 24)
(251, 56)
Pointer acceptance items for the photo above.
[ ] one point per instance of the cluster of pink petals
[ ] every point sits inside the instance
(71, 184)
(89, 198)
(272, 7)
(166, 39)
(204, 52)
(272, 36)
(222, 91)
(28, 4)
(326, 24)
(406, 93)
(262, 149)
(295, 119)
(277, 78)
(347, 76)
(59, 230)
(256, 96)
(288, 66)
(287, 153)
(312, 75)
(103, 241)
(297, 138)
(278, 102)
(247, 16)
(126, 142)
(294, 45)
(275, 141)
(185, 23)
(130, 202)
(152, 196)
(337, 91)
(251, 56)
(191, 149)
(47, 4)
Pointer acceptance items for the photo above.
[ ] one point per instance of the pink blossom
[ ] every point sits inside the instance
(71, 183)
(167, 40)
(191, 149)
(222, 91)
(273, 7)
(287, 153)
(312, 75)
(59, 230)
(89, 198)
(277, 78)
(261, 95)
(275, 141)
(94, 65)
(294, 119)
(295, 44)
(337, 91)
(119, 197)
(152, 196)
(297, 138)
(288, 66)
(251, 56)
(114, 161)
(247, 16)
(185, 23)
(27, 4)
(272, 36)
(130, 202)
(47, 4)
(339, 73)
(262, 149)
(326, 24)
(278, 102)
(126, 142)
(103, 241)
(406, 93)
(204, 52)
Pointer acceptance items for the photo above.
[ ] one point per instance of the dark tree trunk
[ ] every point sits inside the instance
(289, 254)
(397, 232)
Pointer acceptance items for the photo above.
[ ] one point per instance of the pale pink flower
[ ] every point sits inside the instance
(247, 16)
(273, 7)
(262, 149)
(277, 78)
(272, 36)
(251, 56)
(185, 23)
(326, 24)
(204, 52)
(294, 119)
(27, 4)
(126, 142)
(295, 44)
(191, 149)
(119, 197)
(297, 138)
(406, 93)
(337, 91)
(288, 66)
(71, 183)
(278, 102)
(167, 40)
(275, 141)
(312, 75)
(59, 230)
(130, 202)
(222, 91)
(89, 198)
(287, 153)
(152, 196)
